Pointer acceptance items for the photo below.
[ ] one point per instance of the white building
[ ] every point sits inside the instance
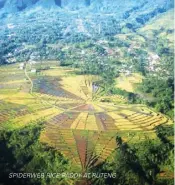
(127, 73)
(82, 52)
(10, 26)
(33, 71)
(32, 62)
(21, 66)
(154, 60)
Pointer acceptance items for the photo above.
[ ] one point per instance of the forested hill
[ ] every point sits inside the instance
(28, 26)
(115, 13)
(85, 18)
(94, 5)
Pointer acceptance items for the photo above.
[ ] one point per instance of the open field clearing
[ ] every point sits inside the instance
(127, 82)
(78, 122)
(165, 21)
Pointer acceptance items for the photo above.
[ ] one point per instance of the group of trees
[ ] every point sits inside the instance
(162, 90)
(160, 83)
(140, 163)
(21, 152)
(104, 69)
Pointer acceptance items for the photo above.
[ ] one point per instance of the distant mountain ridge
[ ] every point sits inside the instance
(94, 5)
(26, 24)
(19, 5)
(91, 18)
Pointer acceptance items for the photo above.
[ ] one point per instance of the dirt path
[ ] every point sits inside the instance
(25, 71)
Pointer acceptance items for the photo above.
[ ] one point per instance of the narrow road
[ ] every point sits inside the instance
(25, 71)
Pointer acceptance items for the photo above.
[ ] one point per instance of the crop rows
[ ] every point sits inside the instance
(84, 148)
(52, 87)
(8, 110)
(64, 120)
(63, 140)
(137, 121)
(112, 120)
(82, 129)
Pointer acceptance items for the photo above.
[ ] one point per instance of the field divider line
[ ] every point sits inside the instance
(28, 77)
(31, 91)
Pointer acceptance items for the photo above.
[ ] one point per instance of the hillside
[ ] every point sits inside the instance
(109, 6)
(86, 90)
(57, 120)
(36, 24)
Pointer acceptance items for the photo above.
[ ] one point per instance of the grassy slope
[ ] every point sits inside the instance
(161, 25)
(163, 22)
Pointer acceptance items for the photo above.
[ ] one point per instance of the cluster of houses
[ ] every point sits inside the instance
(23, 65)
(127, 70)
(153, 61)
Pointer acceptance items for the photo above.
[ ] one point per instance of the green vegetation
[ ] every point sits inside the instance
(142, 163)
(162, 90)
(21, 151)
(146, 162)
(95, 96)
(160, 83)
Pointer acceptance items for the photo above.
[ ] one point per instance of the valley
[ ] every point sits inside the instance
(87, 87)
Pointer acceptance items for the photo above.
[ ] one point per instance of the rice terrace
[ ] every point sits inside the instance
(86, 92)
(77, 121)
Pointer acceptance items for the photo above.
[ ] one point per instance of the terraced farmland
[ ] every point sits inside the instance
(77, 122)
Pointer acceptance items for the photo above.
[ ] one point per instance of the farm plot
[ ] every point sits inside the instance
(61, 102)
(137, 120)
(78, 122)
(121, 118)
(114, 98)
(91, 132)
(21, 121)
(18, 109)
(80, 85)
(63, 140)
(64, 120)
(52, 87)
(106, 121)
(10, 111)
(83, 148)
(13, 78)
(105, 145)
